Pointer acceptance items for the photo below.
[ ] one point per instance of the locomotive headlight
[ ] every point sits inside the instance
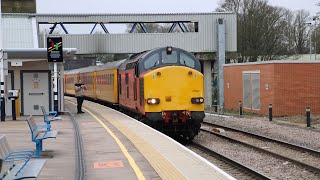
(197, 100)
(153, 101)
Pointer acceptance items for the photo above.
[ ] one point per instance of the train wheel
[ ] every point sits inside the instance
(190, 135)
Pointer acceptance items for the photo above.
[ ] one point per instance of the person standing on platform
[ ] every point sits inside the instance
(79, 89)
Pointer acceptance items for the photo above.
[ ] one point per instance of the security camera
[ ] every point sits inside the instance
(69, 51)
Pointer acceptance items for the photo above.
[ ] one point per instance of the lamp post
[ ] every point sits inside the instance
(315, 18)
(310, 38)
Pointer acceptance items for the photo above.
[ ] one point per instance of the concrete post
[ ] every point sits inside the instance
(2, 71)
(207, 82)
(221, 54)
(55, 86)
(61, 92)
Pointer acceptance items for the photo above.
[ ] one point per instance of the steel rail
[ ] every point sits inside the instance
(234, 168)
(293, 146)
(301, 164)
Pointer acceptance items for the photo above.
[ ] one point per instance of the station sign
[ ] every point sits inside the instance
(54, 49)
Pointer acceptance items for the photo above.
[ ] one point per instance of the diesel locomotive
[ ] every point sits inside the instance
(162, 87)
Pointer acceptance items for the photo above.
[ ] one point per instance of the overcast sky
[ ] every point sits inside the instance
(148, 6)
(152, 6)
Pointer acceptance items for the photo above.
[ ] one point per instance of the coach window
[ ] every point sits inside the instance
(186, 60)
(151, 61)
(169, 58)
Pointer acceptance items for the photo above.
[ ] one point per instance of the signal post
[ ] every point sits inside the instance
(55, 55)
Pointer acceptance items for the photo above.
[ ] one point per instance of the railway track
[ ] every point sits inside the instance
(232, 167)
(306, 158)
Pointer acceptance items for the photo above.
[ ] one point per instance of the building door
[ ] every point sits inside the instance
(35, 92)
(251, 89)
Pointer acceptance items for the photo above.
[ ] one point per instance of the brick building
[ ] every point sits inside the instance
(290, 86)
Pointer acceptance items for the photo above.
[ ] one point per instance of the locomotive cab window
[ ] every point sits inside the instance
(186, 60)
(152, 61)
(169, 58)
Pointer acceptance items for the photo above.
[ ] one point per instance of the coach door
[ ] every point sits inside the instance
(35, 92)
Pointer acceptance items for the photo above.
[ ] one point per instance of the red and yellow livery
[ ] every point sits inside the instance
(163, 86)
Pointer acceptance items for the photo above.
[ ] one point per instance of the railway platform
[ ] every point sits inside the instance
(105, 144)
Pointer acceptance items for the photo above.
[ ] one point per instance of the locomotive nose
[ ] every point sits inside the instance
(175, 87)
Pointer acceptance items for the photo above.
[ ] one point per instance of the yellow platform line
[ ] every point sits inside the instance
(132, 162)
(160, 164)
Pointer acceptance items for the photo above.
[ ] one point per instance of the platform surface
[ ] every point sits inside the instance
(115, 147)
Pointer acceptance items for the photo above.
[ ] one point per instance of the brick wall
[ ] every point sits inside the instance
(297, 86)
(289, 87)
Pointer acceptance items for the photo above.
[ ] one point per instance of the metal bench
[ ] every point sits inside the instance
(17, 164)
(37, 135)
(47, 119)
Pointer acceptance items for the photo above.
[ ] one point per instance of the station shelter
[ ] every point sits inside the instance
(28, 72)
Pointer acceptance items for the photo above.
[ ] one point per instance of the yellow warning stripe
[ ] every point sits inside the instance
(160, 164)
(122, 147)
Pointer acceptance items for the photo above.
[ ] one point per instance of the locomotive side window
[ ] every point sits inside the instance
(186, 60)
(169, 58)
(152, 61)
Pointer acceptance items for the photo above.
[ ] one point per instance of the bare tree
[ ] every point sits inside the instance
(300, 35)
(151, 27)
(265, 31)
(161, 27)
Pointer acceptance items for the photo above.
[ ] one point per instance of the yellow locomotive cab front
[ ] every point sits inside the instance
(176, 88)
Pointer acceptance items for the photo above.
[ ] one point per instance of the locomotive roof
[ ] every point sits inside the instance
(129, 63)
(132, 59)
(88, 69)
(110, 65)
(81, 70)
(72, 71)
(136, 59)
